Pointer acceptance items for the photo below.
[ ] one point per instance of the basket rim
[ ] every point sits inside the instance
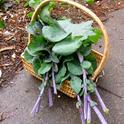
(94, 17)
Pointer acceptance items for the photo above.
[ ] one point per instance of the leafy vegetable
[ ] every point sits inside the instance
(67, 46)
(61, 74)
(27, 56)
(54, 33)
(45, 67)
(84, 29)
(61, 50)
(76, 83)
(34, 3)
(36, 64)
(34, 28)
(86, 65)
(37, 44)
(74, 68)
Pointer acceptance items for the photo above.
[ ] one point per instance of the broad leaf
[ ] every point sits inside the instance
(68, 59)
(86, 65)
(67, 46)
(36, 64)
(61, 74)
(91, 58)
(98, 34)
(74, 68)
(54, 33)
(54, 58)
(85, 51)
(34, 3)
(45, 15)
(65, 77)
(45, 67)
(76, 84)
(90, 70)
(83, 29)
(34, 28)
(27, 56)
(37, 44)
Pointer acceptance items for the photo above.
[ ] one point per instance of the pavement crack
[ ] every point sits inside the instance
(110, 92)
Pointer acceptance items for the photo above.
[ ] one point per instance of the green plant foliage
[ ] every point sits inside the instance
(55, 45)
(76, 84)
(1, 2)
(34, 3)
(84, 29)
(54, 33)
(45, 67)
(61, 74)
(67, 46)
(90, 2)
(74, 68)
(34, 28)
(37, 44)
(2, 24)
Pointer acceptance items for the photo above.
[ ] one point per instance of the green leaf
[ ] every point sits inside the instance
(2, 24)
(74, 68)
(90, 70)
(27, 56)
(83, 29)
(68, 59)
(61, 74)
(36, 64)
(94, 38)
(45, 15)
(76, 84)
(54, 33)
(91, 58)
(65, 77)
(34, 3)
(37, 44)
(54, 58)
(29, 15)
(34, 28)
(45, 67)
(86, 65)
(67, 46)
(90, 2)
(1, 2)
(17, 1)
(91, 87)
(85, 50)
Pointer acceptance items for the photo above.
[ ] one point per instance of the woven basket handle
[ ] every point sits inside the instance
(95, 18)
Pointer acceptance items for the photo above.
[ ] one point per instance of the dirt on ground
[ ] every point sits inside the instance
(13, 38)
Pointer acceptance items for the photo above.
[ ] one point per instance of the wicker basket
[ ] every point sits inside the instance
(101, 58)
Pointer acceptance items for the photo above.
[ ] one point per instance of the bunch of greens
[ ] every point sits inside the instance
(61, 50)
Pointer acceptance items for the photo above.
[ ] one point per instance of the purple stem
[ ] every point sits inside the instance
(38, 102)
(80, 57)
(50, 100)
(105, 109)
(35, 108)
(88, 114)
(98, 113)
(85, 94)
(81, 110)
(38, 107)
(54, 82)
